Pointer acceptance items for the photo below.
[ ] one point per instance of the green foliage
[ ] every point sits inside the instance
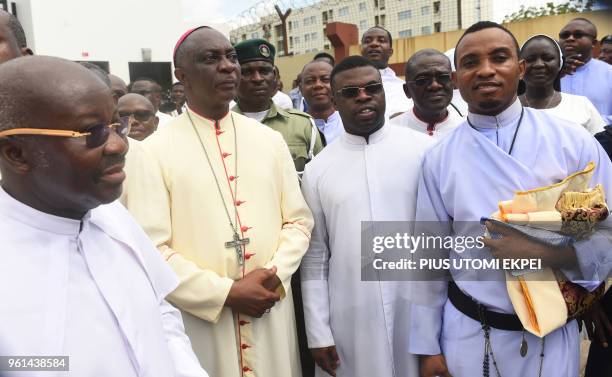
(550, 9)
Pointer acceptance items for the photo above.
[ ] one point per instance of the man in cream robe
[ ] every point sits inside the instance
(78, 276)
(371, 177)
(179, 206)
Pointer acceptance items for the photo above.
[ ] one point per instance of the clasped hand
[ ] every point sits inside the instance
(254, 294)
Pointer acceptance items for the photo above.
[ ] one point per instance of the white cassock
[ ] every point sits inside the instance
(93, 290)
(437, 131)
(164, 119)
(348, 182)
(463, 178)
(395, 97)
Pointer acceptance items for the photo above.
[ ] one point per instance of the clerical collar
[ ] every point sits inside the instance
(25, 214)
(372, 139)
(506, 118)
(216, 123)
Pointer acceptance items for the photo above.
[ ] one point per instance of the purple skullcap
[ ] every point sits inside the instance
(182, 39)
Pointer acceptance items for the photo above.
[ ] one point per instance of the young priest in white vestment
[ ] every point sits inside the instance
(358, 328)
(469, 327)
(78, 277)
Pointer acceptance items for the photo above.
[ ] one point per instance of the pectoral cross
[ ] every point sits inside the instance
(237, 243)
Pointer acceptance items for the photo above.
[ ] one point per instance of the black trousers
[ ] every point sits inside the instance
(599, 363)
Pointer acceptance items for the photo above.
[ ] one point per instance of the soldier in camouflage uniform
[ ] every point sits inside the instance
(256, 57)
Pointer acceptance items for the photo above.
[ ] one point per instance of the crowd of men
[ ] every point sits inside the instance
(220, 233)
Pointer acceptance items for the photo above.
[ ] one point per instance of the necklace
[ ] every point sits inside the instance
(236, 243)
(515, 131)
(550, 100)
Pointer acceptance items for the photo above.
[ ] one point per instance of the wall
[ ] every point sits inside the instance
(290, 67)
(108, 30)
(550, 25)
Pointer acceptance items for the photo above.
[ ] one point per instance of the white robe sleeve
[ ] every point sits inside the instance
(314, 273)
(596, 123)
(185, 362)
(427, 310)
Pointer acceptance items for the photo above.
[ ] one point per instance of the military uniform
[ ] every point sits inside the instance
(298, 131)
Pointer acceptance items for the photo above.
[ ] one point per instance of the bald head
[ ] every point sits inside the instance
(57, 174)
(428, 54)
(9, 46)
(131, 99)
(66, 83)
(144, 121)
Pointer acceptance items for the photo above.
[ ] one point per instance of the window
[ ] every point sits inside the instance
(306, 21)
(425, 10)
(344, 11)
(296, 24)
(426, 30)
(405, 33)
(306, 37)
(404, 15)
(363, 24)
(313, 36)
(362, 7)
(313, 19)
(254, 35)
(290, 42)
(244, 37)
(381, 4)
(437, 27)
(296, 40)
(382, 20)
(436, 7)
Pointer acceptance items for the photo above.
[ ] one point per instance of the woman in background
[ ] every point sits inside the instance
(543, 62)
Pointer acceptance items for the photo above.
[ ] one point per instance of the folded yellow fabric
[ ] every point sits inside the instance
(537, 297)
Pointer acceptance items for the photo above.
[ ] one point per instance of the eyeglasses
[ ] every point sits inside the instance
(353, 91)
(139, 115)
(576, 34)
(95, 136)
(442, 79)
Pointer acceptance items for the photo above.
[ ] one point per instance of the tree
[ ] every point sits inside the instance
(550, 9)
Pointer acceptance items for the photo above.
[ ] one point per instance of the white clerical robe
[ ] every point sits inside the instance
(395, 97)
(179, 206)
(93, 290)
(463, 178)
(437, 132)
(349, 182)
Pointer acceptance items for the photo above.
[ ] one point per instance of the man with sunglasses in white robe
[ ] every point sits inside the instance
(358, 328)
(82, 286)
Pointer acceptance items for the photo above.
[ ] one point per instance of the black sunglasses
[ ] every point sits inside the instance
(140, 115)
(98, 135)
(576, 34)
(442, 79)
(353, 91)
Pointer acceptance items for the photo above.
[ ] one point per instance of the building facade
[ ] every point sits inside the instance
(403, 19)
